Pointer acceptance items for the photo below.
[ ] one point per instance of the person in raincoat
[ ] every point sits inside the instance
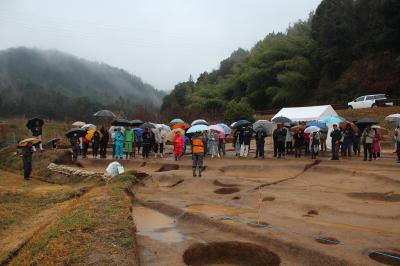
(376, 146)
(185, 143)
(336, 136)
(298, 143)
(85, 145)
(281, 139)
(75, 142)
(37, 133)
(119, 144)
(348, 137)
(198, 143)
(397, 139)
(95, 144)
(26, 154)
(178, 142)
(129, 141)
(260, 142)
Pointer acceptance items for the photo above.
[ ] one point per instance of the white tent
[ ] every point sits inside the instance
(310, 113)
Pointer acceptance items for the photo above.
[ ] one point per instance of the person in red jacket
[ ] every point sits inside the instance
(178, 142)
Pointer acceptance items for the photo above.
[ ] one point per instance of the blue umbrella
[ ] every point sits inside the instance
(176, 121)
(333, 119)
(197, 128)
(227, 129)
(138, 131)
(319, 124)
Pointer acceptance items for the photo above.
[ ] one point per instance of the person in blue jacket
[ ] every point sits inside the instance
(119, 144)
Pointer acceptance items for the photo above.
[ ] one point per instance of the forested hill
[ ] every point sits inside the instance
(346, 48)
(56, 76)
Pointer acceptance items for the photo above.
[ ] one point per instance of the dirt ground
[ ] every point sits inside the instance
(305, 212)
(240, 212)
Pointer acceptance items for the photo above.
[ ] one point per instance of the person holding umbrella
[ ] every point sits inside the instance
(147, 139)
(367, 139)
(397, 136)
(104, 142)
(119, 144)
(95, 144)
(298, 143)
(198, 143)
(336, 136)
(246, 137)
(260, 142)
(36, 125)
(74, 140)
(348, 137)
(281, 139)
(314, 144)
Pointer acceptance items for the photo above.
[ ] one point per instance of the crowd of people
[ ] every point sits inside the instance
(287, 140)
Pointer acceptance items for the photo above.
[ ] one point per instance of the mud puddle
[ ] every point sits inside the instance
(156, 225)
(217, 210)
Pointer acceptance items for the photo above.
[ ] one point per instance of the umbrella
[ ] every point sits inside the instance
(333, 119)
(199, 122)
(79, 131)
(197, 128)
(165, 127)
(32, 122)
(104, 113)
(138, 131)
(393, 119)
(112, 128)
(281, 120)
(24, 143)
(176, 121)
(120, 122)
(312, 129)
(147, 125)
(52, 141)
(227, 130)
(233, 124)
(319, 124)
(366, 121)
(345, 123)
(78, 124)
(297, 128)
(241, 123)
(267, 125)
(135, 123)
(89, 126)
(380, 129)
(217, 128)
(183, 126)
(172, 133)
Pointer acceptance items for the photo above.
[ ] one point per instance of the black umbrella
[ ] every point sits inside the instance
(120, 123)
(241, 123)
(366, 122)
(79, 131)
(135, 123)
(104, 113)
(32, 122)
(281, 120)
(147, 125)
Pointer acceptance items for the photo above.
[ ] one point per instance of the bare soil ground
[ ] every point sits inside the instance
(301, 211)
(270, 212)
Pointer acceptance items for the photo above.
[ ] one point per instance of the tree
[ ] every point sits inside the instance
(238, 110)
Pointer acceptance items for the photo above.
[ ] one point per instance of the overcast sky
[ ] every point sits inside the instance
(162, 41)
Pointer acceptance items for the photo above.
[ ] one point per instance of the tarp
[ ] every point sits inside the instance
(309, 113)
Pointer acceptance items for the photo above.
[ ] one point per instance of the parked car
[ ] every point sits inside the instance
(369, 101)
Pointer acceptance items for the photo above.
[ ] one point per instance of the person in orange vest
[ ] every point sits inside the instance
(178, 141)
(198, 143)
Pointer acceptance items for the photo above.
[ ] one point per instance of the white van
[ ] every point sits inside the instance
(367, 101)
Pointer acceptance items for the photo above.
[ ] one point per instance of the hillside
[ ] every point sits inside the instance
(65, 78)
(345, 49)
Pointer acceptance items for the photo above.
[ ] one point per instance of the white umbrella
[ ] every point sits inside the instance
(312, 129)
(89, 126)
(78, 124)
(199, 122)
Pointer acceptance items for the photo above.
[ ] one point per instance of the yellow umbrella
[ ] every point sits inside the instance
(172, 133)
(25, 142)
